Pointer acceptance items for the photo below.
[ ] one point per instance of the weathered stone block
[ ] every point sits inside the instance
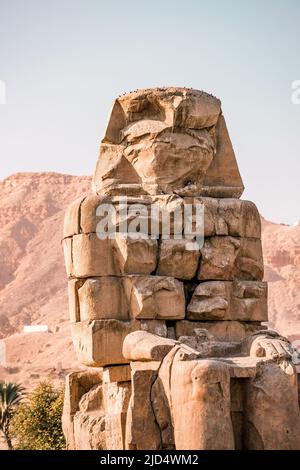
(176, 260)
(229, 258)
(116, 374)
(89, 210)
(99, 343)
(225, 216)
(112, 298)
(241, 218)
(72, 218)
(135, 256)
(92, 400)
(103, 298)
(89, 431)
(142, 346)
(221, 330)
(156, 327)
(114, 174)
(226, 300)
(116, 396)
(93, 257)
(233, 217)
(223, 178)
(124, 214)
(89, 256)
(94, 412)
(271, 397)
(77, 384)
(67, 247)
(74, 305)
(198, 111)
(142, 431)
(155, 297)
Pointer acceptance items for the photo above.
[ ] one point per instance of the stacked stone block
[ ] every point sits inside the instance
(120, 285)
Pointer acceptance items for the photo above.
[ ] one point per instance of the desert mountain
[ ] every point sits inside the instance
(32, 277)
(33, 287)
(281, 247)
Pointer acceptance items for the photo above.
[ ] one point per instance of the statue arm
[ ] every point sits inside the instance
(269, 344)
(143, 346)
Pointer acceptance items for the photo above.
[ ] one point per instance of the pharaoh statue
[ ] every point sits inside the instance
(167, 301)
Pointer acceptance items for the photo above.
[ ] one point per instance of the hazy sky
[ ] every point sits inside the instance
(64, 61)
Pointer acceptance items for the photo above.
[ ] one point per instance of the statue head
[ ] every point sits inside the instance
(159, 141)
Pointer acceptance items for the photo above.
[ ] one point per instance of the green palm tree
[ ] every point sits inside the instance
(11, 395)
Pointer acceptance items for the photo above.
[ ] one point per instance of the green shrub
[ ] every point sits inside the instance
(36, 425)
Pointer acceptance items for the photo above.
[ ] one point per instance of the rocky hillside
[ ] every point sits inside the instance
(281, 246)
(33, 281)
(32, 276)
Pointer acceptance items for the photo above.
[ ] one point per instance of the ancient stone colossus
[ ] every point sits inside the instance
(172, 328)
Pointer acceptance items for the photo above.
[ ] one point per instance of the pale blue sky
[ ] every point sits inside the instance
(64, 61)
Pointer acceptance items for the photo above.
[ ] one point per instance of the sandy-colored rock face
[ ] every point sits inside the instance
(184, 317)
(229, 300)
